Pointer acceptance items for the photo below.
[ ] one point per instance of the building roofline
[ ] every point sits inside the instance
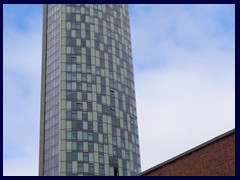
(188, 152)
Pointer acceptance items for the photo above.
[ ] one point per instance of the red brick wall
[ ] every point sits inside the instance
(214, 159)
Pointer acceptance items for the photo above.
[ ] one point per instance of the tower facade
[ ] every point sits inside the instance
(88, 117)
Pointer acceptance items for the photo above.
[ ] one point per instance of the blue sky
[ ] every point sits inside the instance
(184, 63)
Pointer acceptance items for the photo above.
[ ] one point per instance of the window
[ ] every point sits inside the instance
(90, 147)
(84, 77)
(78, 26)
(74, 77)
(74, 115)
(68, 67)
(98, 71)
(100, 148)
(88, 61)
(78, 50)
(112, 102)
(101, 169)
(74, 135)
(79, 86)
(127, 155)
(73, 9)
(99, 7)
(71, 135)
(95, 6)
(69, 77)
(103, 81)
(69, 86)
(85, 115)
(111, 83)
(93, 79)
(89, 69)
(79, 125)
(87, 11)
(85, 135)
(78, 34)
(79, 68)
(80, 167)
(79, 146)
(74, 146)
(125, 125)
(88, 37)
(68, 33)
(91, 167)
(102, 63)
(69, 115)
(105, 138)
(100, 127)
(89, 87)
(78, 9)
(84, 96)
(99, 98)
(79, 106)
(95, 13)
(101, 158)
(68, 156)
(69, 95)
(83, 42)
(74, 156)
(114, 140)
(89, 106)
(114, 151)
(85, 157)
(73, 25)
(103, 90)
(114, 131)
(99, 118)
(69, 167)
(123, 143)
(95, 137)
(90, 136)
(71, 42)
(90, 126)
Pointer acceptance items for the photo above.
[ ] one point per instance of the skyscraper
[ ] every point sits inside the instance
(88, 109)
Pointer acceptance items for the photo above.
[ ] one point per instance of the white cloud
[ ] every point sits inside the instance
(184, 73)
(21, 166)
(21, 102)
(177, 110)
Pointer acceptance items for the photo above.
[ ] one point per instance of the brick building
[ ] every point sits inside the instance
(212, 158)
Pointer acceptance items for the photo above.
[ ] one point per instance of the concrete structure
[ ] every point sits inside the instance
(213, 158)
(88, 108)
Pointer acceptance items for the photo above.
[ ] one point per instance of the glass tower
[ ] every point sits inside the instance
(88, 117)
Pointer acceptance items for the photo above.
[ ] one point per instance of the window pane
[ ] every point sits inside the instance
(69, 86)
(79, 68)
(101, 169)
(74, 135)
(69, 135)
(100, 148)
(91, 167)
(74, 146)
(80, 167)
(90, 147)
(85, 157)
(101, 158)
(69, 167)
(80, 146)
(90, 136)
(69, 67)
(85, 136)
